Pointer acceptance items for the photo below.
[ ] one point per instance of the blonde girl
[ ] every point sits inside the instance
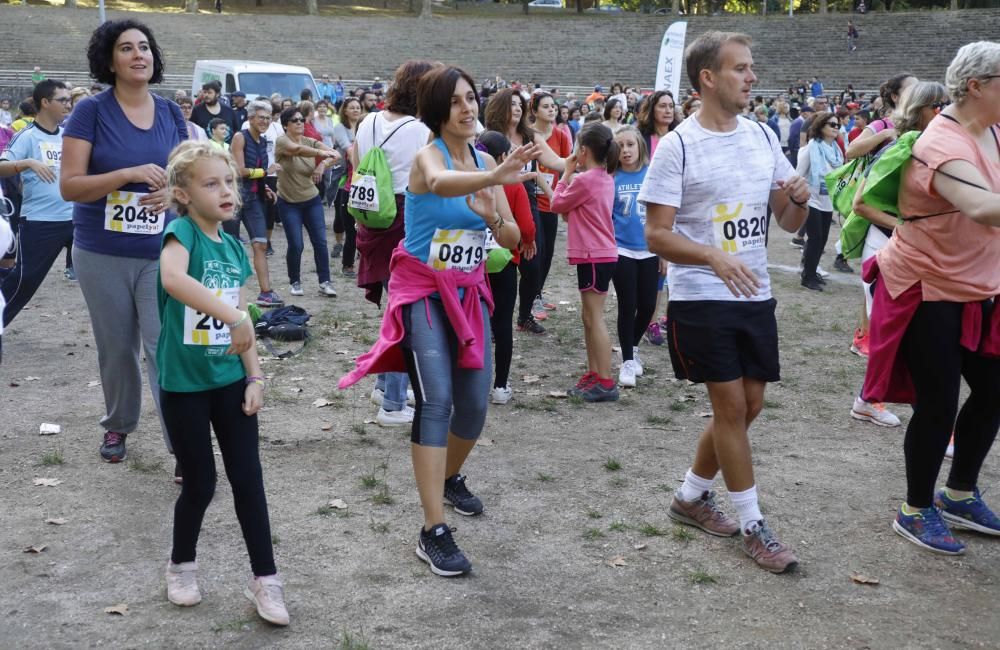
(210, 376)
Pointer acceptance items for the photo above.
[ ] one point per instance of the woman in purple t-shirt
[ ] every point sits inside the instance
(115, 151)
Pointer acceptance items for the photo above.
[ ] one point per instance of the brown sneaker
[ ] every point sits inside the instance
(703, 513)
(767, 551)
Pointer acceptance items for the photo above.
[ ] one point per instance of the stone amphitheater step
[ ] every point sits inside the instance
(570, 50)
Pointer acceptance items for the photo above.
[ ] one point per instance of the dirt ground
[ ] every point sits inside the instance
(557, 518)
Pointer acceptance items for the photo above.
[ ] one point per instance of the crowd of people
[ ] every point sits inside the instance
(447, 197)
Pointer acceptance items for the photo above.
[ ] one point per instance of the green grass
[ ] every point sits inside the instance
(593, 514)
(612, 465)
(235, 625)
(137, 463)
(545, 478)
(665, 487)
(380, 527)
(275, 540)
(53, 457)
(771, 404)
(359, 429)
(370, 481)
(681, 534)
(700, 577)
(678, 407)
(618, 482)
(543, 405)
(350, 641)
(618, 527)
(576, 400)
(383, 498)
(657, 420)
(593, 533)
(649, 530)
(325, 510)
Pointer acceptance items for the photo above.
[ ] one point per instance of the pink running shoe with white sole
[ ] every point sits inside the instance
(763, 546)
(703, 513)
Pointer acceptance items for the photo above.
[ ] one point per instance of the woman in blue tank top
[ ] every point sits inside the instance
(455, 209)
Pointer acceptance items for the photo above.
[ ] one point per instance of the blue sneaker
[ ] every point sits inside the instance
(437, 548)
(926, 528)
(971, 513)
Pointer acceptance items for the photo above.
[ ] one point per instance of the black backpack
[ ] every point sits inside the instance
(289, 323)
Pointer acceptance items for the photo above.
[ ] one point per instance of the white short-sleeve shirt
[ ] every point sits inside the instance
(720, 184)
(400, 149)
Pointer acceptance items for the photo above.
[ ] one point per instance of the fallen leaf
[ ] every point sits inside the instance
(120, 609)
(48, 429)
(297, 379)
(706, 414)
(563, 302)
(862, 579)
(38, 548)
(326, 427)
(639, 547)
(14, 384)
(93, 384)
(530, 379)
(615, 348)
(485, 442)
(370, 422)
(30, 379)
(320, 403)
(617, 561)
(571, 309)
(295, 390)
(339, 504)
(558, 394)
(48, 482)
(55, 521)
(343, 352)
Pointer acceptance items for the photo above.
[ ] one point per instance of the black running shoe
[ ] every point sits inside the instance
(529, 324)
(597, 392)
(458, 496)
(113, 450)
(437, 548)
(841, 265)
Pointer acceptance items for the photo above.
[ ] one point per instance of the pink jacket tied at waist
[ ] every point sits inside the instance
(411, 281)
(887, 378)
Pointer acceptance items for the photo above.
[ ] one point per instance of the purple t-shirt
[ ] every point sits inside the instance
(116, 144)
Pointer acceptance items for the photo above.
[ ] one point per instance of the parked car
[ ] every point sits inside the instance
(255, 78)
(546, 4)
(606, 9)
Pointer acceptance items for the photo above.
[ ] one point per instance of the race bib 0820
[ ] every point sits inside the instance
(462, 250)
(364, 193)
(740, 226)
(122, 213)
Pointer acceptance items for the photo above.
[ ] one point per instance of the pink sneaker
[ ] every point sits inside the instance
(763, 546)
(267, 593)
(182, 584)
(703, 513)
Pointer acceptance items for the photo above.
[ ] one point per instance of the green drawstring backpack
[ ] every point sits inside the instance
(371, 201)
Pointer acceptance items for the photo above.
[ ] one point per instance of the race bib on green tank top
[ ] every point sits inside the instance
(222, 279)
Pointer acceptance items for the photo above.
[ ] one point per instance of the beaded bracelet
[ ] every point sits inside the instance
(255, 380)
(243, 317)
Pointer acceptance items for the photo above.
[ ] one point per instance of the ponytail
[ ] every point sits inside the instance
(601, 143)
(611, 159)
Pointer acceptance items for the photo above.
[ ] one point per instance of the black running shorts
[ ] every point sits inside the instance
(720, 340)
(595, 276)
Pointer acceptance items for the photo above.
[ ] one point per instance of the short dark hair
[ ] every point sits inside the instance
(703, 53)
(214, 122)
(288, 114)
(402, 97)
(214, 85)
(306, 95)
(434, 94)
(601, 143)
(101, 50)
(609, 106)
(27, 108)
(46, 89)
(494, 143)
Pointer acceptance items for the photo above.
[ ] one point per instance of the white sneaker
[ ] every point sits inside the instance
(182, 584)
(268, 595)
(326, 289)
(501, 395)
(874, 412)
(395, 418)
(626, 375)
(378, 395)
(821, 272)
(296, 289)
(638, 362)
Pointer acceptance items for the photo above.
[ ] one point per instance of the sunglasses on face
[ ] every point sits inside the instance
(939, 106)
(833, 125)
(296, 120)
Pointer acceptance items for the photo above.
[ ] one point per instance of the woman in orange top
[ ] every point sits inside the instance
(543, 107)
(934, 319)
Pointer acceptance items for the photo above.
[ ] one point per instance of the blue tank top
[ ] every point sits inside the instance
(423, 214)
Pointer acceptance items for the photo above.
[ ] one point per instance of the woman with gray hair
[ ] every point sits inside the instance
(933, 318)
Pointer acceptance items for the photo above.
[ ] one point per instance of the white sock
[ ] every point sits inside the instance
(694, 486)
(746, 507)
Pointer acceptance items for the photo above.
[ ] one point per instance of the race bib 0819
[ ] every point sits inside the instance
(462, 250)
(122, 213)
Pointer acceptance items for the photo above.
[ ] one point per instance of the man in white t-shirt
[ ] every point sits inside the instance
(707, 192)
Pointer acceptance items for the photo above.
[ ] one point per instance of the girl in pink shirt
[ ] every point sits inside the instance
(584, 197)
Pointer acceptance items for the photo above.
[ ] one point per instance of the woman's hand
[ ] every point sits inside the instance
(529, 250)
(510, 171)
(253, 398)
(570, 166)
(484, 204)
(242, 337)
(156, 201)
(150, 174)
(271, 196)
(663, 266)
(273, 169)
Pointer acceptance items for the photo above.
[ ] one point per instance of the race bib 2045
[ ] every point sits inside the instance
(122, 213)
(463, 250)
(740, 226)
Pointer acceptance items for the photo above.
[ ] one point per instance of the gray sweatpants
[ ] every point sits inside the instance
(121, 297)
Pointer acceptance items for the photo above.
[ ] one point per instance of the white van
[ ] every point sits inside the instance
(255, 78)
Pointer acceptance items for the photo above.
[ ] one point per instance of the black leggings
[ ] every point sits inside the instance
(635, 283)
(817, 232)
(343, 222)
(550, 223)
(937, 363)
(531, 273)
(188, 416)
(504, 286)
